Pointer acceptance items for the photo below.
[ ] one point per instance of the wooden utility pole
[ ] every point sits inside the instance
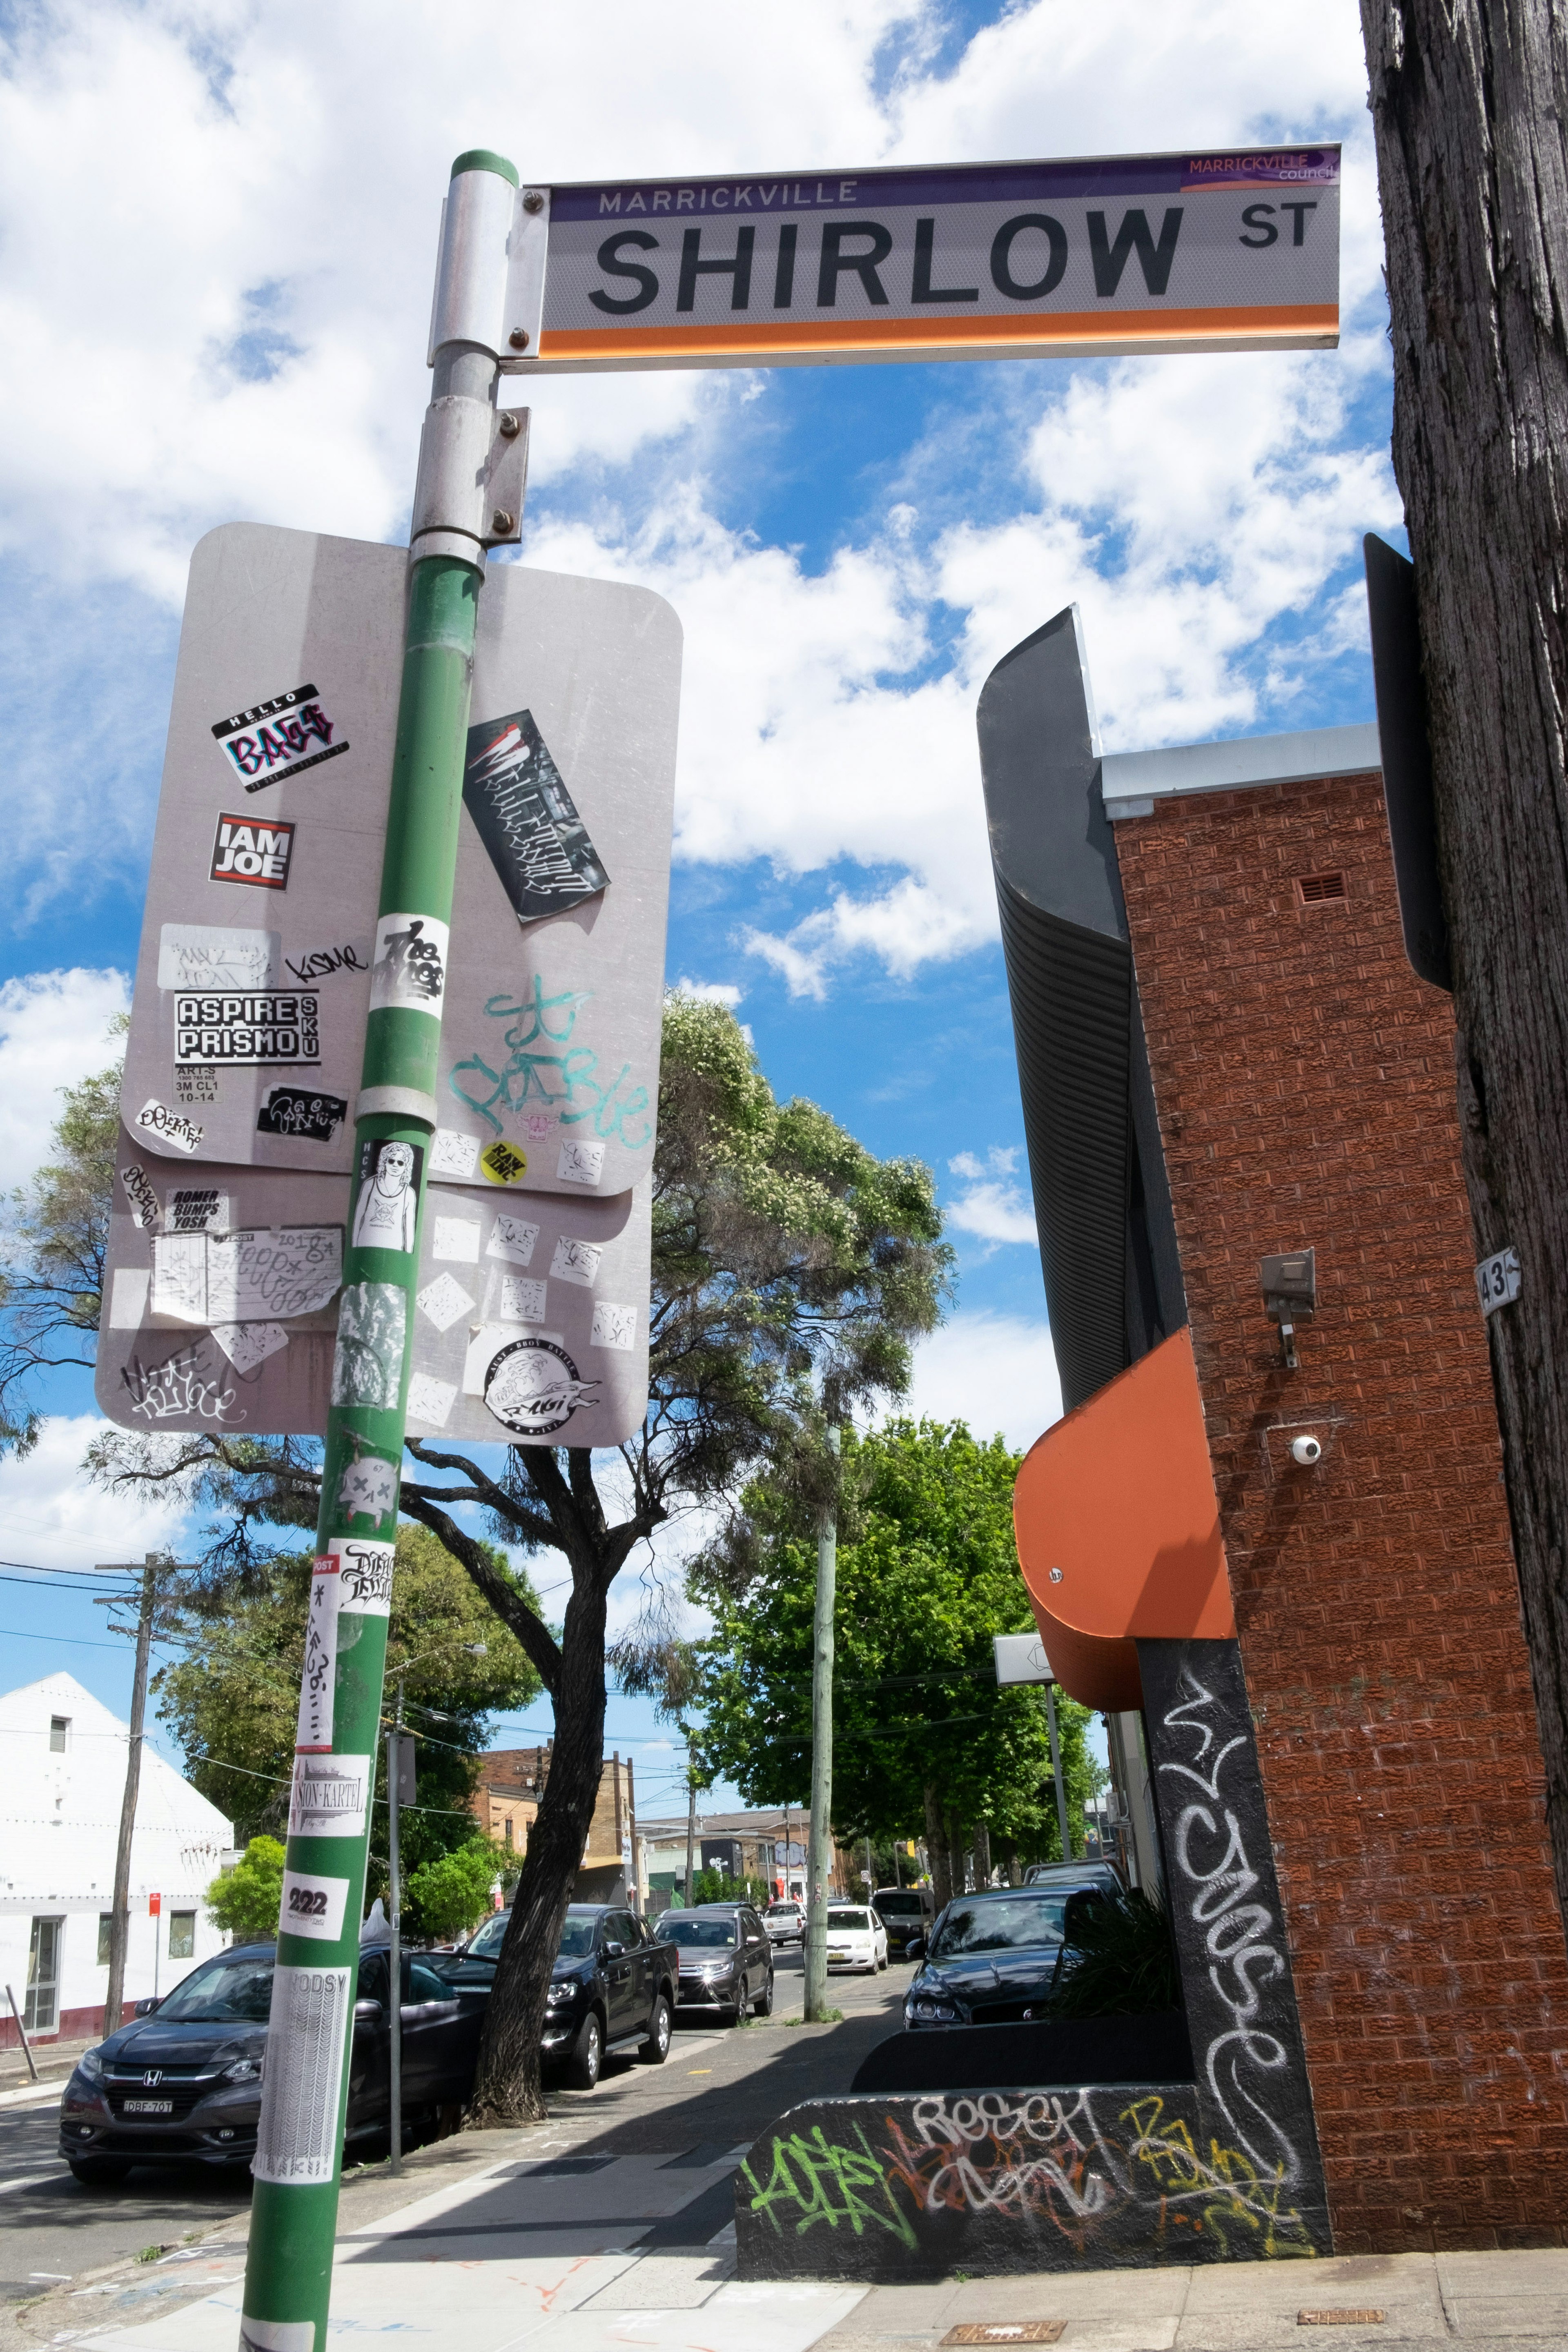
(1468, 108)
(819, 1850)
(120, 1916)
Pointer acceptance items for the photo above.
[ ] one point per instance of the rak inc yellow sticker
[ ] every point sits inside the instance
(503, 1163)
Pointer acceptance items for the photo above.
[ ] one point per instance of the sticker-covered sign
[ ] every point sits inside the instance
(549, 984)
(1233, 251)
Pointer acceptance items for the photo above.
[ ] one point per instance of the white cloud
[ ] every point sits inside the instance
(54, 1031)
(711, 992)
(991, 1207)
(992, 1371)
(54, 1519)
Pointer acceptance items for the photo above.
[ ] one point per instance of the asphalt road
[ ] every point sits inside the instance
(718, 2090)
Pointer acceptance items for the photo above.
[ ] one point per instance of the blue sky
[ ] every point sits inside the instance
(223, 312)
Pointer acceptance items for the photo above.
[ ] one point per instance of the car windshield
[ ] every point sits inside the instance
(223, 1992)
(487, 1944)
(699, 1934)
(900, 1903)
(784, 1910)
(849, 1920)
(1000, 1924)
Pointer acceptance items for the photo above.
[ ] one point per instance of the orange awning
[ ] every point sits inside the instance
(1118, 1527)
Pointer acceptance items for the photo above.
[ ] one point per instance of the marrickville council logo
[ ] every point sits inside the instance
(258, 854)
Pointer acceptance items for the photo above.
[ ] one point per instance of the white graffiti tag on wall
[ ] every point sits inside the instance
(1244, 1942)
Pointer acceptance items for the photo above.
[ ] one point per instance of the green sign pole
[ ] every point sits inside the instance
(287, 2278)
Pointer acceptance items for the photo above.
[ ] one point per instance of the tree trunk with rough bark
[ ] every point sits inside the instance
(936, 1848)
(1467, 100)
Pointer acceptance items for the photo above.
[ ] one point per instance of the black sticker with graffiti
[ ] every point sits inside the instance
(298, 1110)
(527, 820)
(533, 1387)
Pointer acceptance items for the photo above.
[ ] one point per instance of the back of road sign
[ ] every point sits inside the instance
(260, 950)
(261, 935)
(1232, 251)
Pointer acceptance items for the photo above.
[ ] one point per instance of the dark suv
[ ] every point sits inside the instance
(613, 1988)
(726, 1959)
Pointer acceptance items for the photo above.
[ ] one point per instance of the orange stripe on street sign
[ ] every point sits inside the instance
(1109, 331)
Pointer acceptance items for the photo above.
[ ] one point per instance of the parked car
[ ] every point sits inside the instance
(991, 1957)
(906, 1913)
(1075, 1874)
(726, 1959)
(785, 1923)
(612, 1987)
(180, 2084)
(855, 1937)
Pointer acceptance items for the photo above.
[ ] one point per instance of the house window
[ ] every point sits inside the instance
(42, 2013)
(182, 1935)
(509, 1832)
(58, 1727)
(105, 1937)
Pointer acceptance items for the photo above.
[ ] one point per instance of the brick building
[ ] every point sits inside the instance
(1225, 1054)
(510, 1785)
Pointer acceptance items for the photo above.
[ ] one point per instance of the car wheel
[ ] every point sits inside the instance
(98, 2171)
(656, 2049)
(587, 2054)
(764, 2004)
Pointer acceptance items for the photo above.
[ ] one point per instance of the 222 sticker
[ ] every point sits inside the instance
(312, 1906)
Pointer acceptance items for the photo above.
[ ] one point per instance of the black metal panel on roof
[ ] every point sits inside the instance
(1107, 1247)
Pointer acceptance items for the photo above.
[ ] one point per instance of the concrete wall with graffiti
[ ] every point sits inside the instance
(1009, 2181)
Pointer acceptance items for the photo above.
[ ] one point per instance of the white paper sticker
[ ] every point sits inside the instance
(368, 1487)
(457, 1239)
(143, 1199)
(329, 1795)
(319, 1682)
(613, 1327)
(521, 1300)
(580, 1163)
(430, 1399)
(128, 1298)
(367, 1364)
(246, 1344)
(257, 1276)
(364, 1574)
(575, 1261)
(443, 1301)
(513, 1238)
(276, 2334)
(452, 1154)
(409, 971)
(312, 1906)
(213, 956)
(307, 2036)
(171, 1127)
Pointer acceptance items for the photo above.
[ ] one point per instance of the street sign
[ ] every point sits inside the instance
(259, 958)
(1218, 251)
(1021, 1658)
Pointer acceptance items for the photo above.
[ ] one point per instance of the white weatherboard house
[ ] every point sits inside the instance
(62, 1778)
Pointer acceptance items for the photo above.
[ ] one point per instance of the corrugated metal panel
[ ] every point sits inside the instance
(1071, 996)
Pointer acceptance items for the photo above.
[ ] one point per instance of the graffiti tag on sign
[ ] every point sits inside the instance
(543, 1070)
(296, 1110)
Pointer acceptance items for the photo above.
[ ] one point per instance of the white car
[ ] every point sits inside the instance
(855, 1937)
(785, 1923)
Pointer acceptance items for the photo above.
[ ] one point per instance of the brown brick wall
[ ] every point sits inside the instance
(1305, 1091)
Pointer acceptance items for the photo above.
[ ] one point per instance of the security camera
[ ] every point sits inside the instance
(1306, 1451)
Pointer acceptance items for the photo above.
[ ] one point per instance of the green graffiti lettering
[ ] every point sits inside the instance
(812, 2181)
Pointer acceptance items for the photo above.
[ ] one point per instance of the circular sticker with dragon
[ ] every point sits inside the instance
(532, 1386)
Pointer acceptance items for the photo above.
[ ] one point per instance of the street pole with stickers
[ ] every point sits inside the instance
(305, 2088)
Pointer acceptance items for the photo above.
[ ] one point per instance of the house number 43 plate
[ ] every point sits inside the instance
(1496, 1279)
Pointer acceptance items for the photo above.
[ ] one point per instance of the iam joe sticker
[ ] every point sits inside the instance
(253, 853)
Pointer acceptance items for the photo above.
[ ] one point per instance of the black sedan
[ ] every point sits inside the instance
(611, 1988)
(181, 2084)
(991, 1957)
(726, 1959)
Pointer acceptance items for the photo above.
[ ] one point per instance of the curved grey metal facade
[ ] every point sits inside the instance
(1101, 1203)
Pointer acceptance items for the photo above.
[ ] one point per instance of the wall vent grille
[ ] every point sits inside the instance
(1318, 889)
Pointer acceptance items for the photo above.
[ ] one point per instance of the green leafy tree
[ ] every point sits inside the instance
(451, 1892)
(789, 1265)
(928, 1575)
(244, 1901)
(231, 1699)
(53, 1236)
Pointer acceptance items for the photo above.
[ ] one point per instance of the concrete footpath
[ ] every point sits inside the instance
(500, 2241)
